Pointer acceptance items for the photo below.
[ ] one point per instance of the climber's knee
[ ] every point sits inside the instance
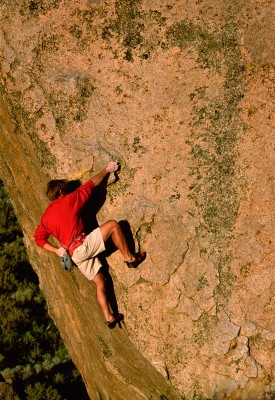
(108, 228)
(99, 280)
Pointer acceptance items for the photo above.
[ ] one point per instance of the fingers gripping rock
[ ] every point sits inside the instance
(112, 166)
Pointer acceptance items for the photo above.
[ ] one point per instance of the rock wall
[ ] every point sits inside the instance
(180, 92)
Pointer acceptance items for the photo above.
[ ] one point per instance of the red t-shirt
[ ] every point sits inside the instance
(61, 218)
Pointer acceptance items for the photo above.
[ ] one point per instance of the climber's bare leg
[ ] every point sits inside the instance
(113, 229)
(101, 295)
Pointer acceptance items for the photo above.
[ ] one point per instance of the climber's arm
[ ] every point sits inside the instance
(111, 167)
(59, 251)
(41, 239)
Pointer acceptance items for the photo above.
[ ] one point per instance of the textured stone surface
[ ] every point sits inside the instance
(180, 93)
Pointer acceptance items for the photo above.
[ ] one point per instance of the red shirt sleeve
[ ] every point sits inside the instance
(41, 235)
(81, 195)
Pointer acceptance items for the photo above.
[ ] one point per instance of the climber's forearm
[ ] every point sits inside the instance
(97, 179)
(50, 247)
(59, 251)
(111, 167)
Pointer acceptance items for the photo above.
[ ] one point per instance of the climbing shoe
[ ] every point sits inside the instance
(118, 318)
(139, 257)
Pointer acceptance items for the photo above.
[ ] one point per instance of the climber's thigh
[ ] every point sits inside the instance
(107, 229)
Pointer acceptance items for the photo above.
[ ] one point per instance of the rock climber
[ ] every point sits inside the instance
(63, 221)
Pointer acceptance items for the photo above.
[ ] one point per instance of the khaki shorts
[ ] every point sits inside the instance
(85, 255)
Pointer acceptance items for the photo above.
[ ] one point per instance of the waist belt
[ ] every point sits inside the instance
(76, 242)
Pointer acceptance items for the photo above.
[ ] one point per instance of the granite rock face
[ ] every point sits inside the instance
(180, 93)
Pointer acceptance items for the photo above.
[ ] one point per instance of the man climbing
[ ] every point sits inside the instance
(62, 220)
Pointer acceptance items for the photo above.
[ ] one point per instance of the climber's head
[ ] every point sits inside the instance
(56, 188)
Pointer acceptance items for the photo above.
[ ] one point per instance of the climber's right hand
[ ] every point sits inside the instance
(61, 252)
(112, 166)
